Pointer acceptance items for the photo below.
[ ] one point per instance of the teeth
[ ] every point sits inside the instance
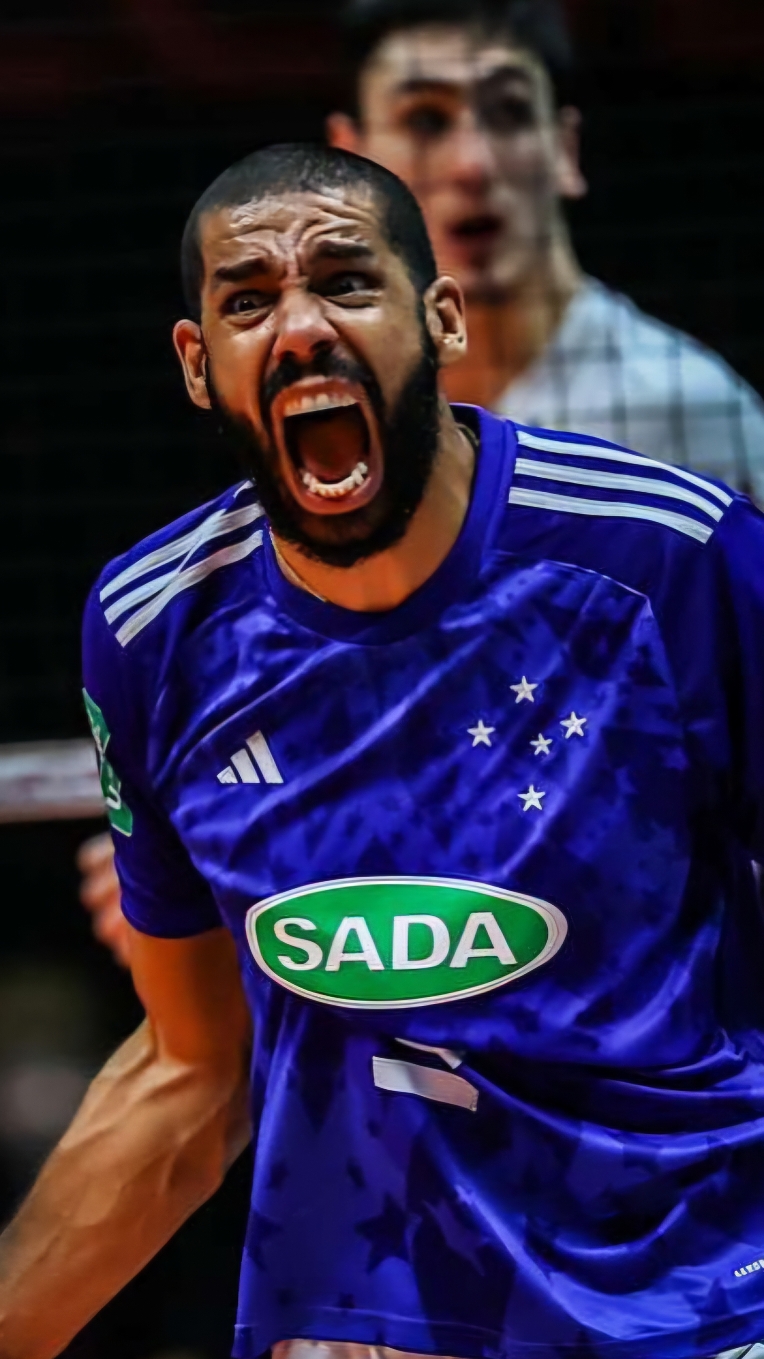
(334, 490)
(306, 405)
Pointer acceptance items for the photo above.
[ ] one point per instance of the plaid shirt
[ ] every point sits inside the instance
(615, 372)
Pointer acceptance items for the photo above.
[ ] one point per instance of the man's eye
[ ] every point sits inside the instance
(244, 304)
(427, 122)
(344, 285)
(507, 113)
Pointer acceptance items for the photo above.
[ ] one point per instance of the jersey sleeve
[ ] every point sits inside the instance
(162, 892)
(738, 548)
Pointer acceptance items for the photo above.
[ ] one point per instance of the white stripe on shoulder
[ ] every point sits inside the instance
(147, 590)
(218, 524)
(609, 509)
(183, 580)
(546, 445)
(615, 481)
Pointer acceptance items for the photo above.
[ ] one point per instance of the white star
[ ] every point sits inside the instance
(523, 690)
(481, 734)
(532, 799)
(542, 746)
(574, 726)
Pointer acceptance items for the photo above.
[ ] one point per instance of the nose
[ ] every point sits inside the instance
(302, 327)
(471, 154)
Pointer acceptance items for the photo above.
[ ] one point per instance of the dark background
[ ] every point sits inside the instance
(114, 115)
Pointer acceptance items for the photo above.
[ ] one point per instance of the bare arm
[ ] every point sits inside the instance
(152, 1141)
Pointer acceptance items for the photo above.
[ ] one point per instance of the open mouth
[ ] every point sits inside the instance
(328, 442)
(480, 230)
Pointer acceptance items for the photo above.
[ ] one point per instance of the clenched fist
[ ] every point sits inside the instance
(100, 894)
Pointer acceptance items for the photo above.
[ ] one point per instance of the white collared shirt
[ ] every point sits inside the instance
(617, 373)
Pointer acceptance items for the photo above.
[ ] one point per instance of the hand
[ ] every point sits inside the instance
(100, 894)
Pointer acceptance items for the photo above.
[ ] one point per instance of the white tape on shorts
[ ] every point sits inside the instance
(406, 1078)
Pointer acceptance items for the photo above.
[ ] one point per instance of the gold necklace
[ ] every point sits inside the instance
(290, 573)
(469, 434)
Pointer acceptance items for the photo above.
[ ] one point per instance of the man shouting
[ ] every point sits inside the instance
(436, 750)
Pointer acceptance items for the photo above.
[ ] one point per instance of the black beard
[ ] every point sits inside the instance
(409, 442)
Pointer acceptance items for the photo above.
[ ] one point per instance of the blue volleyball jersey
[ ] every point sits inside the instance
(487, 862)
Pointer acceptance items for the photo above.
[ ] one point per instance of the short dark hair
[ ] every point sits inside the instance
(539, 26)
(300, 167)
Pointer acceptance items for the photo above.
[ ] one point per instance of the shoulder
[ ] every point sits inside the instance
(608, 509)
(690, 547)
(138, 586)
(591, 478)
(661, 353)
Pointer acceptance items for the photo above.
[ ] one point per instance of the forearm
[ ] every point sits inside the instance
(151, 1142)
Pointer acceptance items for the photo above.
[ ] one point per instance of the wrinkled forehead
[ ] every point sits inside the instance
(459, 55)
(289, 226)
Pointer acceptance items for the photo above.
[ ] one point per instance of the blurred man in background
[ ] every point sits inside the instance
(469, 103)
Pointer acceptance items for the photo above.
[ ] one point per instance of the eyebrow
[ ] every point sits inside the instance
(257, 266)
(254, 267)
(342, 250)
(423, 84)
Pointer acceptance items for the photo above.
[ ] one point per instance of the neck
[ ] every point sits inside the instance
(385, 581)
(507, 336)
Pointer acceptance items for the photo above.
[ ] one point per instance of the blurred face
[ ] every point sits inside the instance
(469, 124)
(315, 349)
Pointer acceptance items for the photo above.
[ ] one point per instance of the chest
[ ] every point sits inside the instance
(532, 732)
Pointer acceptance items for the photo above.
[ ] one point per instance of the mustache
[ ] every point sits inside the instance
(327, 365)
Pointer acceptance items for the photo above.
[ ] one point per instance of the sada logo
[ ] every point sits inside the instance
(384, 943)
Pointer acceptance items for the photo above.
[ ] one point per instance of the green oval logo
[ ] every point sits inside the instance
(384, 943)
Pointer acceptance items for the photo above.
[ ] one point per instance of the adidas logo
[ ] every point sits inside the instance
(253, 764)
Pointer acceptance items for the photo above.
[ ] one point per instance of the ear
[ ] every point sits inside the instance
(192, 352)
(444, 313)
(570, 178)
(342, 131)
